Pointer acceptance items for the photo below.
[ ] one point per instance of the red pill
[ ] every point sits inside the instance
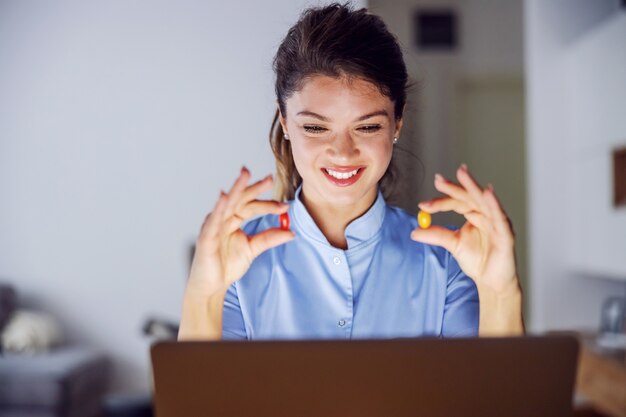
(284, 221)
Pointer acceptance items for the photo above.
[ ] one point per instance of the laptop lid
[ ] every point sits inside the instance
(488, 377)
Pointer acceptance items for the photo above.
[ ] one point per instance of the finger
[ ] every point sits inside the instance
(438, 205)
(268, 239)
(259, 207)
(253, 191)
(437, 235)
(233, 223)
(453, 190)
(237, 189)
(501, 222)
(474, 190)
(253, 209)
(479, 221)
(212, 223)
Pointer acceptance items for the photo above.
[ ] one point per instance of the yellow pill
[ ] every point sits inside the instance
(424, 219)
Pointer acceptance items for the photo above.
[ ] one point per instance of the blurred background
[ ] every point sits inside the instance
(121, 121)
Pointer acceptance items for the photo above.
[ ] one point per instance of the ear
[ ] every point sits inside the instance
(281, 119)
(399, 123)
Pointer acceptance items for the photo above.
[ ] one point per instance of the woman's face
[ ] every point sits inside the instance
(341, 134)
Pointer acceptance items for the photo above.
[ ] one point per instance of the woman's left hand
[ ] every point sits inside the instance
(484, 246)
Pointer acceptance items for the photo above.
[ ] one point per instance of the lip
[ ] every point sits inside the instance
(347, 181)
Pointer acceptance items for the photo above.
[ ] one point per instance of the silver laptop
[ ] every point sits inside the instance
(483, 377)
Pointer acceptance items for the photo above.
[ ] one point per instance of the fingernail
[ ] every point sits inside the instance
(490, 187)
(424, 204)
(464, 167)
(438, 177)
(244, 169)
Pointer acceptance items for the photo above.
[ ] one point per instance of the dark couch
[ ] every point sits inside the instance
(64, 382)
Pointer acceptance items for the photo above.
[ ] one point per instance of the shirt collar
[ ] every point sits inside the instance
(358, 231)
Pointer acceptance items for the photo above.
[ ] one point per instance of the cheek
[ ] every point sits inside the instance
(381, 151)
(303, 155)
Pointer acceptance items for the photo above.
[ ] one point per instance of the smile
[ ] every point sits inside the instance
(343, 176)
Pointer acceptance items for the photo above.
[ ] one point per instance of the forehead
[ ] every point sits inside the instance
(338, 96)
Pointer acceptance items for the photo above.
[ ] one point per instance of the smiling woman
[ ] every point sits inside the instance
(340, 133)
(348, 265)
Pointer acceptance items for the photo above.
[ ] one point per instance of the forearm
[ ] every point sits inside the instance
(501, 313)
(202, 317)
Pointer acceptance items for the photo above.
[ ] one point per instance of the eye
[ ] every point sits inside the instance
(369, 128)
(314, 129)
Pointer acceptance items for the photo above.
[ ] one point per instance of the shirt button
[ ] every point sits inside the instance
(337, 260)
(341, 323)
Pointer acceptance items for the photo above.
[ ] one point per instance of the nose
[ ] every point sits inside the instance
(343, 147)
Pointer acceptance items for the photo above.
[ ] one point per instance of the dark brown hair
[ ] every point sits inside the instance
(335, 41)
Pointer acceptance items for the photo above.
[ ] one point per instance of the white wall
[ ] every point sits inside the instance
(468, 105)
(490, 36)
(119, 123)
(576, 95)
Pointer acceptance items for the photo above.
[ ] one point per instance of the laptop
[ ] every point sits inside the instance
(530, 376)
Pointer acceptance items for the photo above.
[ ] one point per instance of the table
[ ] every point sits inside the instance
(601, 376)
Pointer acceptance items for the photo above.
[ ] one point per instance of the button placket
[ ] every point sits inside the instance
(340, 265)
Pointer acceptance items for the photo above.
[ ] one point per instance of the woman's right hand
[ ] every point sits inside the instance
(223, 251)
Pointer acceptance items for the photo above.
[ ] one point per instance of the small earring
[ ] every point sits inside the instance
(286, 137)
(395, 140)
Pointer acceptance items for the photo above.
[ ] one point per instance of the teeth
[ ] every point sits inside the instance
(341, 175)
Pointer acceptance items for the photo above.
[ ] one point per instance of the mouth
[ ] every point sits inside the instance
(344, 176)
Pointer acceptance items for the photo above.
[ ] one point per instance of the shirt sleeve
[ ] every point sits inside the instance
(233, 326)
(462, 307)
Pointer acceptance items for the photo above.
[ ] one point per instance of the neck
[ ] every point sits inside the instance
(333, 220)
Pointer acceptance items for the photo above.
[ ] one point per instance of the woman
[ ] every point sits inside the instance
(351, 266)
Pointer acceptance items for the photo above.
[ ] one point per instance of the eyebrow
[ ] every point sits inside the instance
(326, 119)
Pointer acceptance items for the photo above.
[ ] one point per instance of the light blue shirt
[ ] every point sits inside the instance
(385, 285)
